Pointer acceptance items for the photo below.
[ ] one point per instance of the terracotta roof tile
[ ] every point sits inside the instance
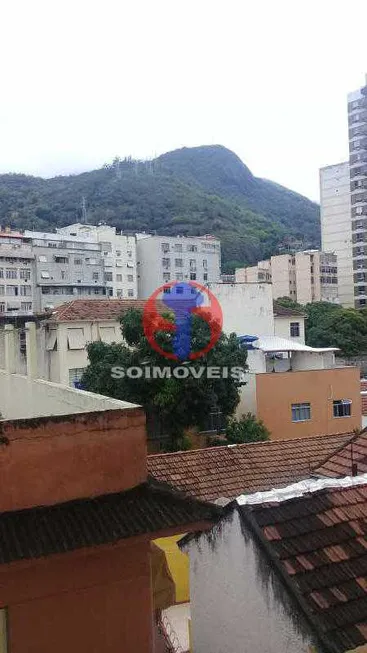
(217, 472)
(98, 309)
(348, 460)
(322, 550)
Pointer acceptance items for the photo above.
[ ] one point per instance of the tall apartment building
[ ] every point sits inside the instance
(309, 276)
(17, 274)
(162, 259)
(336, 225)
(66, 268)
(357, 123)
(118, 254)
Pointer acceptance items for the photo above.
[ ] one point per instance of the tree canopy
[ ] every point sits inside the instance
(331, 325)
(171, 404)
(246, 429)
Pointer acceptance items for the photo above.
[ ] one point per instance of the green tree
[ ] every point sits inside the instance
(171, 404)
(246, 429)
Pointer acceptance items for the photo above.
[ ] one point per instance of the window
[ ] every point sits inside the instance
(118, 252)
(95, 276)
(42, 259)
(205, 264)
(51, 244)
(45, 274)
(75, 338)
(2, 307)
(62, 274)
(192, 276)
(166, 263)
(25, 291)
(130, 278)
(2, 290)
(178, 262)
(129, 264)
(61, 259)
(12, 291)
(119, 292)
(119, 264)
(179, 276)
(165, 247)
(130, 292)
(26, 306)
(342, 408)
(11, 274)
(301, 412)
(192, 248)
(167, 291)
(78, 261)
(119, 278)
(294, 329)
(129, 253)
(205, 276)
(192, 264)
(25, 274)
(107, 334)
(108, 276)
(166, 276)
(178, 247)
(75, 375)
(1, 273)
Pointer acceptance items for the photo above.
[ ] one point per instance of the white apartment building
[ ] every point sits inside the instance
(162, 259)
(17, 274)
(336, 225)
(305, 277)
(118, 255)
(357, 124)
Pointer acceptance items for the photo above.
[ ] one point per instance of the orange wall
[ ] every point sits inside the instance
(277, 391)
(49, 460)
(83, 602)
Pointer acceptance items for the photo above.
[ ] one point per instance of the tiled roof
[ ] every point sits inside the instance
(318, 544)
(216, 472)
(98, 309)
(44, 531)
(285, 311)
(349, 460)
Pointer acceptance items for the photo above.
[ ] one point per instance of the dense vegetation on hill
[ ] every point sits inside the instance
(189, 192)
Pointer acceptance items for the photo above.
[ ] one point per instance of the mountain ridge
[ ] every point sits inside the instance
(190, 191)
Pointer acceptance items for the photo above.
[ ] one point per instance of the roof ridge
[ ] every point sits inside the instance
(354, 437)
(260, 443)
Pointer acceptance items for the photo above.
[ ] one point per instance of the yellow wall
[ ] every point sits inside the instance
(178, 564)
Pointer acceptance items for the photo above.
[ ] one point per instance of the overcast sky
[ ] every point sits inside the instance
(84, 81)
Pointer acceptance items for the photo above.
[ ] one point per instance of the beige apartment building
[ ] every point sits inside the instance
(305, 277)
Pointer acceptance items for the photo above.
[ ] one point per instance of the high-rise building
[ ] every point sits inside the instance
(17, 274)
(336, 226)
(357, 123)
(162, 259)
(309, 276)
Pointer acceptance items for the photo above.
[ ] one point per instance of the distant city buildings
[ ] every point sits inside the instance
(309, 276)
(162, 259)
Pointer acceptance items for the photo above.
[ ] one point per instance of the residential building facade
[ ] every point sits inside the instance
(66, 267)
(162, 259)
(336, 225)
(17, 275)
(299, 391)
(308, 276)
(118, 252)
(357, 124)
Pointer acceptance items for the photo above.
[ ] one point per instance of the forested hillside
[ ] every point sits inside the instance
(190, 191)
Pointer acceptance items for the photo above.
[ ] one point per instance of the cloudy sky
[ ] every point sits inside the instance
(84, 81)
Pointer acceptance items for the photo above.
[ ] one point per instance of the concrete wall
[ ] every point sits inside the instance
(89, 601)
(282, 327)
(247, 307)
(276, 393)
(336, 225)
(52, 459)
(235, 602)
(305, 291)
(281, 276)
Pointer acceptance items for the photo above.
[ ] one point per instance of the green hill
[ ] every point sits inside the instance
(189, 191)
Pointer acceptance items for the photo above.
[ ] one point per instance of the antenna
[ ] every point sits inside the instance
(84, 211)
